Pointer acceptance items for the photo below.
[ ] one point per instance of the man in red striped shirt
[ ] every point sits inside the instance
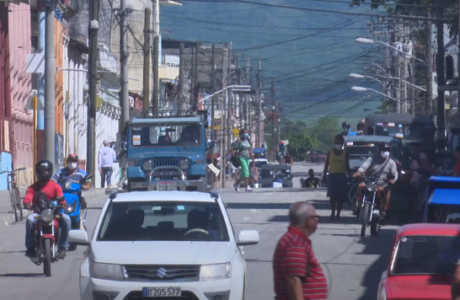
(297, 273)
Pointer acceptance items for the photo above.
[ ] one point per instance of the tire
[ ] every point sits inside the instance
(364, 218)
(14, 205)
(375, 228)
(18, 203)
(47, 260)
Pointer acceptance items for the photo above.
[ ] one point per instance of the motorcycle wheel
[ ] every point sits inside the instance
(364, 218)
(47, 258)
(375, 228)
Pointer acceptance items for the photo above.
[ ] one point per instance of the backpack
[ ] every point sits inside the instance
(235, 159)
(41, 200)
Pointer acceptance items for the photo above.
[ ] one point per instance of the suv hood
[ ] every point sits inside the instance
(152, 153)
(159, 252)
(419, 287)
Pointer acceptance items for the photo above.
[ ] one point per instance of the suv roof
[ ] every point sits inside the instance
(165, 196)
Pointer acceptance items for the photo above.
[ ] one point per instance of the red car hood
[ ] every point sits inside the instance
(419, 287)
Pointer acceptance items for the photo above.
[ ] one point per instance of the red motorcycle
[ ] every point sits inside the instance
(47, 235)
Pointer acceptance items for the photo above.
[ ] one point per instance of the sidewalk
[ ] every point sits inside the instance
(6, 215)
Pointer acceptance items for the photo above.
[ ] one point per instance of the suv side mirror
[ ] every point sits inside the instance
(210, 145)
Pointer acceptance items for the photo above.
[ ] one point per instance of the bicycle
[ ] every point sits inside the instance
(14, 194)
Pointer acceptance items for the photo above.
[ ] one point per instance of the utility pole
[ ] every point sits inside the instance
(458, 66)
(91, 131)
(155, 54)
(441, 115)
(429, 73)
(213, 88)
(49, 84)
(259, 104)
(272, 90)
(124, 99)
(181, 79)
(196, 87)
(147, 54)
(229, 97)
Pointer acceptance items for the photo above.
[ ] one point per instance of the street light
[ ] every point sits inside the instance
(235, 88)
(363, 89)
(369, 41)
(354, 75)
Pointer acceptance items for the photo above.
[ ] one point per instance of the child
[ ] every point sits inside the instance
(311, 181)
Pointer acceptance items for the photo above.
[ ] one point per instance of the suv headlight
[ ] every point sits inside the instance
(215, 272)
(106, 271)
(184, 164)
(147, 165)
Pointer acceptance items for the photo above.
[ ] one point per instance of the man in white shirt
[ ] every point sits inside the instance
(105, 163)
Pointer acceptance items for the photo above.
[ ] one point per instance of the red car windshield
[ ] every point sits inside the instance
(426, 255)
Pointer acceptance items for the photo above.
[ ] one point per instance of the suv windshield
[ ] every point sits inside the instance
(163, 221)
(427, 255)
(166, 135)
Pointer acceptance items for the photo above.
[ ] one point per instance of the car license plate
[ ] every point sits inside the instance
(167, 186)
(161, 292)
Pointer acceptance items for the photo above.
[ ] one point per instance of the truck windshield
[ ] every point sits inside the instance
(166, 135)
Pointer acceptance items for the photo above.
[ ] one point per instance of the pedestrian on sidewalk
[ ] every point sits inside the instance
(338, 166)
(105, 163)
(243, 151)
(297, 272)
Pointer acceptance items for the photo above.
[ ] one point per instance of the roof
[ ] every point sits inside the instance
(429, 229)
(445, 197)
(398, 118)
(368, 138)
(164, 196)
(444, 179)
(194, 119)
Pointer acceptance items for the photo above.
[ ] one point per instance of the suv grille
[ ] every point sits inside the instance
(166, 173)
(185, 296)
(163, 273)
(166, 161)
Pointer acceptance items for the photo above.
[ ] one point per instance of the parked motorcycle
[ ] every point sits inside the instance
(72, 194)
(47, 235)
(369, 215)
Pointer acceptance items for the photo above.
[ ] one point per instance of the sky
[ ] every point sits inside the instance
(308, 54)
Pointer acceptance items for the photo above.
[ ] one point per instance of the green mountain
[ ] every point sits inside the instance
(308, 53)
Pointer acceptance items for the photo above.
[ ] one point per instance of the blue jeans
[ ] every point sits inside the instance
(64, 225)
(106, 173)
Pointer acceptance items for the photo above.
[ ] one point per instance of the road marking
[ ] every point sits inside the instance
(246, 218)
(253, 210)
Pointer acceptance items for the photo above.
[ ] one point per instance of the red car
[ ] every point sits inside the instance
(422, 263)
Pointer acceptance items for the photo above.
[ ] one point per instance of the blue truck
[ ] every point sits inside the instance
(167, 153)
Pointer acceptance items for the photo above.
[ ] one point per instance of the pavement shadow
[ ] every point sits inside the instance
(10, 252)
(380, 245)
(22, 275)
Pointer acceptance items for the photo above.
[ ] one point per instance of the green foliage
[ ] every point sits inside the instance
(303, 136)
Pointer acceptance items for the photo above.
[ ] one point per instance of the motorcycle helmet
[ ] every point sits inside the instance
(44, 170)
(72, 161)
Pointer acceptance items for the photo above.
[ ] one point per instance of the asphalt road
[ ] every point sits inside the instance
(352, 265)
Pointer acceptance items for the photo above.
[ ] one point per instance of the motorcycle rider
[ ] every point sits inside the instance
(346, 129)
(75, 174)
(44, 171)
(383, 166)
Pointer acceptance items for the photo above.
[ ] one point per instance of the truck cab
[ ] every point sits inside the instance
(167, 153)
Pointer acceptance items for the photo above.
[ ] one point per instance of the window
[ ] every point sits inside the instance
(163, 221)
(427, 255)
(361, 151)
(167, 135)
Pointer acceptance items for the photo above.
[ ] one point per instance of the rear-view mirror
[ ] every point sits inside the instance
(78, 237)
(248, 237)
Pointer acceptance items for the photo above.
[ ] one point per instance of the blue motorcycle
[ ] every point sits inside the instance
(72, 194)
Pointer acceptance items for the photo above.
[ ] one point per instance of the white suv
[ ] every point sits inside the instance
(163, 245)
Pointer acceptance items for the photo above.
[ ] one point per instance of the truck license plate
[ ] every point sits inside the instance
(167, 186)
(161, 292)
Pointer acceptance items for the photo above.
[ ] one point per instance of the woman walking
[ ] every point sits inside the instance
(243, 151)
(338, 166)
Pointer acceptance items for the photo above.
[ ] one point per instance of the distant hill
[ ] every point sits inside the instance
(308, 54)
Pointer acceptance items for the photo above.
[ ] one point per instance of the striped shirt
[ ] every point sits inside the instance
(294, 257)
